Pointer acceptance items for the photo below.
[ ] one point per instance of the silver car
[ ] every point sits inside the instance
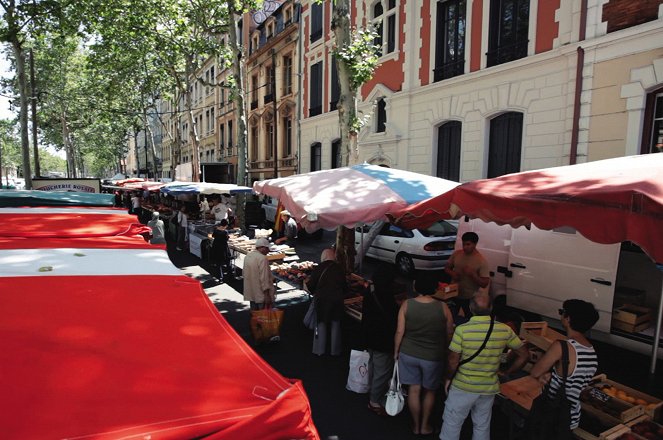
(410, 249)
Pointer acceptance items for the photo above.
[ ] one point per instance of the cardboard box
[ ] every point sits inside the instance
(632, 314)
(654, 406)
(445, 292)
(539, 334)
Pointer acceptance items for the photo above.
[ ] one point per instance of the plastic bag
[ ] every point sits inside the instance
(266, 325)
(358, 376)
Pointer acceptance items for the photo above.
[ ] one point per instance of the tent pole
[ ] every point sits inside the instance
(361, 260)
(657, 330)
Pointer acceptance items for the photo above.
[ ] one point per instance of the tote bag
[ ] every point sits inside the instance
(358, 377)
(395, 400)
(550, 417)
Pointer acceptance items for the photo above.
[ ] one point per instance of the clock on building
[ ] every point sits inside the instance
(268, 6)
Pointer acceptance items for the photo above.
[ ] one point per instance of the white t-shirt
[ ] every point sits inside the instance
(182, 219)
(135, 202)
(220, 211)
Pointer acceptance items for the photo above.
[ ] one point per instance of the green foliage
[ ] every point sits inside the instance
(10, 143)
(360, 56)
(49, 162)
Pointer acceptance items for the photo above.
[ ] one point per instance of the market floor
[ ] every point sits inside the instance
(341, 414)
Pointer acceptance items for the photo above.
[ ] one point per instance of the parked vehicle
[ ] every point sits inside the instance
(410, 249)
(537, 270)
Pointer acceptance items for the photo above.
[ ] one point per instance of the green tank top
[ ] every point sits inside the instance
(425, 331)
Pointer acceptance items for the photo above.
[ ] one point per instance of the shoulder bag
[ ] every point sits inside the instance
(483, 345)
(550, 417)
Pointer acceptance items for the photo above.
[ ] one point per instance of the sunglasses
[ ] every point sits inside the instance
(562, 312)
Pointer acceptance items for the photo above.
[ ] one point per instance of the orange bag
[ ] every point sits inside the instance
(266, 325)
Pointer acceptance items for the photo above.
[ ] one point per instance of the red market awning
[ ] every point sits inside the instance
(103, 338)
(608, 201)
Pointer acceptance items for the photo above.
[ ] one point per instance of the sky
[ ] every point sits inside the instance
(4, 101)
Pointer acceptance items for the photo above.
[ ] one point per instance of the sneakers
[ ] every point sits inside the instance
(178, 248)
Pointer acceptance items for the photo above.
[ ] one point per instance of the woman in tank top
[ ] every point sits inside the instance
(577, 317)
(424, 328)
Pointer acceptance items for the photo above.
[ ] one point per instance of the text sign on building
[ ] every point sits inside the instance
(67, 185)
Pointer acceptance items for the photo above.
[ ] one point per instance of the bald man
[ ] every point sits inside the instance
(475, 384)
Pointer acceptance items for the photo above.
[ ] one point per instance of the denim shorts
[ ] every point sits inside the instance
(415, 371)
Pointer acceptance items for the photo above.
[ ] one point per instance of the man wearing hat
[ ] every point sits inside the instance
(258, 278)
(289, 229)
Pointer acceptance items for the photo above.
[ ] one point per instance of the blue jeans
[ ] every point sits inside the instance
(458, 406)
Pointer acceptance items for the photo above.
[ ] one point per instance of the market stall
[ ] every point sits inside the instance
(88, 351)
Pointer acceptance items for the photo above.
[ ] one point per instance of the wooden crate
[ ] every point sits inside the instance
(614, 407)
(654, 406)
(630, 328)
(521, 391)
(539, 334)
(446, 292)
(632, 314)
(613, 427)
(656, 429)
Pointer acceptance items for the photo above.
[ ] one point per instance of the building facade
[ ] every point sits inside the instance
(272, 91)
(470, 89)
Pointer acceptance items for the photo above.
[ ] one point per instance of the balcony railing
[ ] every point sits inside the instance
(506, 53)
(449, 70)
(288, 162)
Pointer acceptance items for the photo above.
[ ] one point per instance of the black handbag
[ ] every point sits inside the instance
(550, 417)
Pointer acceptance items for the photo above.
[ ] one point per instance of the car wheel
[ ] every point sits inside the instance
(405, 264)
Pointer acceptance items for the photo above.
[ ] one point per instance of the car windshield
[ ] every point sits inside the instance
(439, 229)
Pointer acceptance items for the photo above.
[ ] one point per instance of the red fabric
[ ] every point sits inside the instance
(607, 201)
(114, 242)
(75, 224)
(134, 356)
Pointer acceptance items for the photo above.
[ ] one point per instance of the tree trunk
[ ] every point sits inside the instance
(347, 111)
(240, 112)
(66, 140)
(193, 127)
(19, 55)
(368, 238)
(33, 98)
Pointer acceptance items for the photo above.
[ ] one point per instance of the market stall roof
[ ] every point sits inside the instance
(55, 198)
(350, 195)
(147, 185)
(607, 201)
(180, 188)
(103, 338)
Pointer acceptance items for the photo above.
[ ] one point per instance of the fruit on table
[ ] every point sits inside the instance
(623, 395)
(648, 430)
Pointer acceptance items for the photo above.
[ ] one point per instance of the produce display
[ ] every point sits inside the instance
(648, 430)
(296, 271)
(623, 395)
(609, 405)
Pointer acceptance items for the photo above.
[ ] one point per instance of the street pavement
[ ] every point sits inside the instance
(340, 414)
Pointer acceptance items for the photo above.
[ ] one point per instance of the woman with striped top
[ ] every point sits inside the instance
(577, 317)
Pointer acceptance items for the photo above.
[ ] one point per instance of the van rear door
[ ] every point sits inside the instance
(548, 267)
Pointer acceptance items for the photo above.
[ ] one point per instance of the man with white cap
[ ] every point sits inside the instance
(289, 229)
(258, 278)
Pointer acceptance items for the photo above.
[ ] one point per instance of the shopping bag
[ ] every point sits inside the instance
(395, 400)
(311, 317)
(358, 377)
(266, 325)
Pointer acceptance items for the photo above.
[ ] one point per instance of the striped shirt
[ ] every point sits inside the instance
(583, 372)
(479, 376)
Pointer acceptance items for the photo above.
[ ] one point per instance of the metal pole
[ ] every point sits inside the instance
(657, 330)
(33, 85)
(276, 121)
(147, 169)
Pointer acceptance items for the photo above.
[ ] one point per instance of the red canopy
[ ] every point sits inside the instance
(101, 340)
(607, 201)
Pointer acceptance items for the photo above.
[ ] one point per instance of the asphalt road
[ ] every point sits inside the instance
(341, 414)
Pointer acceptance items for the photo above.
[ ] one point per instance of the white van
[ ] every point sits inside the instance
(538, 270)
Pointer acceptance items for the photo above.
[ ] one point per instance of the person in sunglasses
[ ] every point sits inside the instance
(577, 317)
